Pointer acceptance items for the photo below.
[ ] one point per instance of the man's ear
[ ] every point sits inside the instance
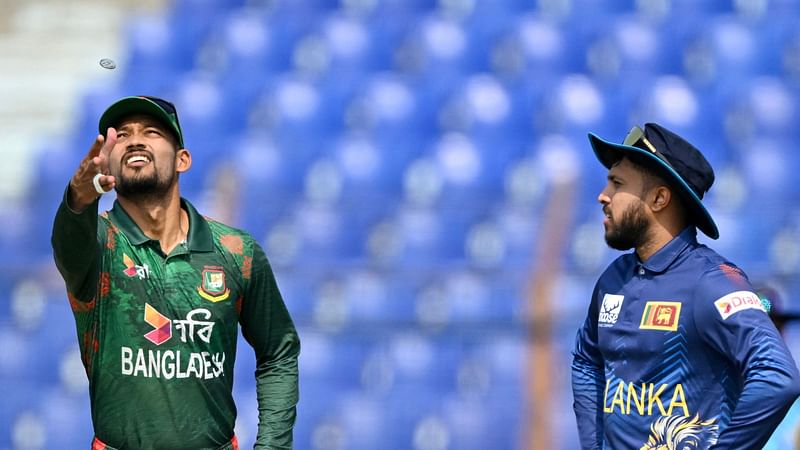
(183, 160)
(660, 198)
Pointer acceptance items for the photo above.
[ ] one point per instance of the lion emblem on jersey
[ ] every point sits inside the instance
(681, 433)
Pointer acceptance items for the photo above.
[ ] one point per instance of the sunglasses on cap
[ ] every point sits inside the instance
(636, 138)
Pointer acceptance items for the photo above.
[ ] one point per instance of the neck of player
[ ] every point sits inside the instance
(162, 220)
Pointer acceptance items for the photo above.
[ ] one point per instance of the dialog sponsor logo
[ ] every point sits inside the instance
(738, 301)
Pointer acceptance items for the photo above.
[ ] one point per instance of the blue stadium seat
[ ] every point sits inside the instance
(395, 159)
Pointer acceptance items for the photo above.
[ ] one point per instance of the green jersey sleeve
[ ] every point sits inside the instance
(267, 326)
(76, 241)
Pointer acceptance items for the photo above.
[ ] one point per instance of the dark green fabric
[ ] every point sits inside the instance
(175, 392)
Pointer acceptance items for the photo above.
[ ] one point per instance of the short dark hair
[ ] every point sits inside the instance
(649, 168)
(652, 177)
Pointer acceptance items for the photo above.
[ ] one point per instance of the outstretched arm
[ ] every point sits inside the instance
(74, 236)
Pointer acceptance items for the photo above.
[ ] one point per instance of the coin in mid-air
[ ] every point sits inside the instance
(107, 63)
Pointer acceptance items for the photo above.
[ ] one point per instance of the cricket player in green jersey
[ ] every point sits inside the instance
(158, 292)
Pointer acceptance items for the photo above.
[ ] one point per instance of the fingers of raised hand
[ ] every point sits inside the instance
(94, 150)
(91, 178)
(100, 158)
(93, 162)
(110, 142)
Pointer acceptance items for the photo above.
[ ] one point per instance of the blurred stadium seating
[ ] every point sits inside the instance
(393, 157)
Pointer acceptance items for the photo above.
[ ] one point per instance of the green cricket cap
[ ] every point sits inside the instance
(155, 107)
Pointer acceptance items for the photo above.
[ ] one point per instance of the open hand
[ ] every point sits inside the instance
(82, 191)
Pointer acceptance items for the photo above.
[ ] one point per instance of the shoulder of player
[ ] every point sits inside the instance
(719, 279)
(228, 235)
(710, 264)
(104, 223)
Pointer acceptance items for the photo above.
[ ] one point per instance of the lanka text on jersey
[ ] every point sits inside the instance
(690, 356)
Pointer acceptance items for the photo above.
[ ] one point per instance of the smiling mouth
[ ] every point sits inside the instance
(137, 160)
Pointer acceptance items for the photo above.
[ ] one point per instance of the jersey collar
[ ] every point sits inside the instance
(199, 238)
(667, 254)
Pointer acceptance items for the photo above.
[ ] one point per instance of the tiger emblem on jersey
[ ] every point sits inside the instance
(681, 433)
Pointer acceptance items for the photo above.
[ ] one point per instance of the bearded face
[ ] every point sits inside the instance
(629, 230)
(144, 161)
(627, 217)
(142, 175)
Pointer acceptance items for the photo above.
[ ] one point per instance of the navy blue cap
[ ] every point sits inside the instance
(678, 161)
